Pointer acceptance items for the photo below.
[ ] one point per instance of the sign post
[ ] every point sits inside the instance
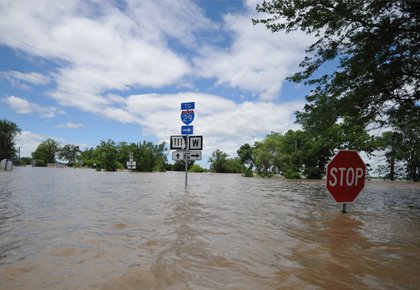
(185, 142)
(346, 174)
(186, 158)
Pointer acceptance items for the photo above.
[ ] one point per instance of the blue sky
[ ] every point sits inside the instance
(84, 71)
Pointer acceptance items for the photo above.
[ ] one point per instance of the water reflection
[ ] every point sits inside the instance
(81, 229)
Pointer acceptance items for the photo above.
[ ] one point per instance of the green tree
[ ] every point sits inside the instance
(106, 155)
(403, 144)
(70, 153)
(376, 45)
(180, 165)
(245, 155)
(197, 168)
(218, 161)
(8, 132)
(46, 152)
(150, 157)
(87, 158)
(391, 141)
(268, 155)
(221, 163)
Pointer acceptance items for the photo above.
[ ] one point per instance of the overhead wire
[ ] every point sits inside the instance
(57, 57)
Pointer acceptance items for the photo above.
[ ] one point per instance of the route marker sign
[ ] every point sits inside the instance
(188, 106)
(346, 174)
(178, 142)
(195, 142)
(187, 117)
(186, 142)
(195, 155)
(187, 130)
(177, 155)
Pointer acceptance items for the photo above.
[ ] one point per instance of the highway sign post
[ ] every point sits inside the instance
(131, 164)
(185, 141)
(346, 174)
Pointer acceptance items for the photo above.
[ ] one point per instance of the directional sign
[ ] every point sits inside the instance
(187, 130)
(188, 106)
(195, 143)
(346, 174)
(131, 164)
(177, 155)
(195, 155)
(187, 117)
(178, 142)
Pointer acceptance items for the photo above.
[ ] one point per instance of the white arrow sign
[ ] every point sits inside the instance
(177, 155)
(195, 155)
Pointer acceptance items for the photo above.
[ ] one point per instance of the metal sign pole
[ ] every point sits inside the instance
(186, 158)
(344, 210)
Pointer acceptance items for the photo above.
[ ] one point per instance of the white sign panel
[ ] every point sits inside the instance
(195, 143)
(177, 155)
(131, 164)
(195, 155)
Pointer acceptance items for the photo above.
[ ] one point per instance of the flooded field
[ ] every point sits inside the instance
(81, 229)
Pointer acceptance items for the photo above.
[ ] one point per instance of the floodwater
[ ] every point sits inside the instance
(81, 229)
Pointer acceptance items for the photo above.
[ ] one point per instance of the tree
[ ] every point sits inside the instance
(150, 157)
(218, 161)
(197, 168)
(70, 153)
(403, 143)
(106, 154)
(180, 165)
(46, 152)
(8, 132)
(87, 158)
(221, 163)
(376, 44)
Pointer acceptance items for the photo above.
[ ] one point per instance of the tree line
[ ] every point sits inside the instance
(108, 155)
(305, 154)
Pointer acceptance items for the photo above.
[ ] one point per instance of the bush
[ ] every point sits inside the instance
(197, 168)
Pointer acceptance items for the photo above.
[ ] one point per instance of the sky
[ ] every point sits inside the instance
(84, 71)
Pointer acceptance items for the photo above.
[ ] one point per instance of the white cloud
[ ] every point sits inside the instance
(138, 45)
(258, 61)
(103, 45)
(225, 124)
(20, 79)
(22, 106)
(29, 141)
(70, 125)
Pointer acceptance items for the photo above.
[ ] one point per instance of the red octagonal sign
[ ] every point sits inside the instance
(346, 174)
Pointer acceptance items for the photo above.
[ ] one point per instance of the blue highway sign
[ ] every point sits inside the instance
(188, 106)
(187, 117)
(187, 130)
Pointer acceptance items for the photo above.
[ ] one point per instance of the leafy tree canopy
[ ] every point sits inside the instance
(46, 152)
(376, 44)
(8, 132)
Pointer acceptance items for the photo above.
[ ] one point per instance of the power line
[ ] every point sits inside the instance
(50, 55)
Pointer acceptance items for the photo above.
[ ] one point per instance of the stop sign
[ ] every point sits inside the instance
(346, 174)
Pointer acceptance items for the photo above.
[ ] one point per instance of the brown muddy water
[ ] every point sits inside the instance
(81, 229)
